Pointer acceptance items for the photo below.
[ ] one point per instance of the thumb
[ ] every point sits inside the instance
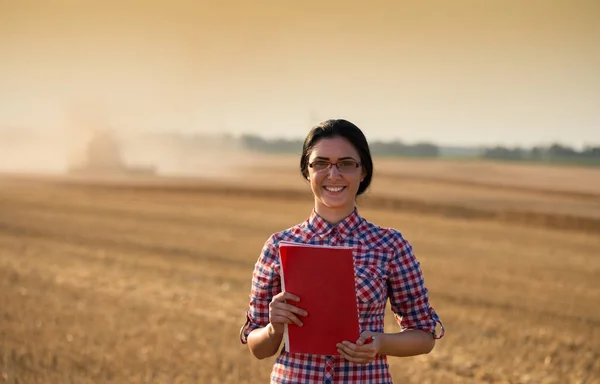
(364, 337)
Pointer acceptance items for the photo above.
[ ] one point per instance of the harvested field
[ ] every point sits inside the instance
(148, 280)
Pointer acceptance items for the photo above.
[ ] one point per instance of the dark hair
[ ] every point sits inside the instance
(339, 128)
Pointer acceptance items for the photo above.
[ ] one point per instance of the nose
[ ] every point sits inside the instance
(333, 173)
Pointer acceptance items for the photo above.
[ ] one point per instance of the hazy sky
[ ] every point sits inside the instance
(453, 72)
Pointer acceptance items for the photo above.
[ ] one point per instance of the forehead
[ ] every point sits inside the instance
(334, 148)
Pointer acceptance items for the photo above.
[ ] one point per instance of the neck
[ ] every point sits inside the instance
(333, 215)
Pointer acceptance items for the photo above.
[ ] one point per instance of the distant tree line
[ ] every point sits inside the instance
(378, 148)
(554, 152)
(398, 148)
(257, 143)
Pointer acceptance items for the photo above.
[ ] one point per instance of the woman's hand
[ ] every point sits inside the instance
(281, 312)
(363, 351)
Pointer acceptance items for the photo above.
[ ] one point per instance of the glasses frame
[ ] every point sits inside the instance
(331, 164)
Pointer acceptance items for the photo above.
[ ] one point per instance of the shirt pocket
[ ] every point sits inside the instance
(371, 284)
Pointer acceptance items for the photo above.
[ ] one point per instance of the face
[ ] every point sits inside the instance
(335, 191)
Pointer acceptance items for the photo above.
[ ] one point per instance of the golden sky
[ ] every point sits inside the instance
(453, 72)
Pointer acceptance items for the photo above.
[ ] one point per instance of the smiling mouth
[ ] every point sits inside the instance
(334, 189)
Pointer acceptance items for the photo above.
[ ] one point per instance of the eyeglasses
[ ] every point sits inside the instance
(344, 166)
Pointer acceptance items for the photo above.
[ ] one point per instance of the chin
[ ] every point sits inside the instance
(337, 204)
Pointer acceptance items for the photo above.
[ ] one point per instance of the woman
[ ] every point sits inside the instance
(336, 161)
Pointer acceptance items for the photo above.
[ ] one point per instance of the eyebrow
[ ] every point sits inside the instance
(341, 158)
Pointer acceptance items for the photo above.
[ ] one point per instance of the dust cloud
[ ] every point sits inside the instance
(89, 144)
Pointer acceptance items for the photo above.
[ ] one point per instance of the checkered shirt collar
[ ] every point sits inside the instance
(318, 225)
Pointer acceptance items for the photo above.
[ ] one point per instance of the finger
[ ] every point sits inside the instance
(356, 347)
(348, 345)
(290, 308)
(286, 320)
(353, 359)
(365, 338)
(356, 351)
(291, 296)
(283, 296)
(347, 356)
(286, 317)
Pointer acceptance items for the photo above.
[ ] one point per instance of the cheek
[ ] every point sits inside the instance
(314, 179)
(357, 180)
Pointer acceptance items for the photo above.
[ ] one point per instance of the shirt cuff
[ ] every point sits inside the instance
(244, 330)
(437, 321)
(248, 327)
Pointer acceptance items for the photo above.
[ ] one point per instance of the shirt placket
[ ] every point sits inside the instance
(336, 237)
(329, 370)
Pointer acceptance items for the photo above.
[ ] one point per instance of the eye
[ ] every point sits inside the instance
(319, 164)
(347, 164)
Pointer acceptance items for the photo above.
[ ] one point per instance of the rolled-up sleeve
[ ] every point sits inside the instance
(265, 284)
(409, 298)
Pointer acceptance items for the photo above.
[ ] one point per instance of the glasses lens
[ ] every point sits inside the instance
(347, 165)
(320, 165)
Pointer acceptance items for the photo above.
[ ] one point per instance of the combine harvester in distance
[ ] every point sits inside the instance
(103, 158)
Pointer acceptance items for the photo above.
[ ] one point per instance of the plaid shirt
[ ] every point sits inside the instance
(385, 268)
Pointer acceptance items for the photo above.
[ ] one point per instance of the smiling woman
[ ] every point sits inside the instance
(336, 160)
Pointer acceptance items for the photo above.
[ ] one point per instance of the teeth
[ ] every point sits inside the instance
(334, 189)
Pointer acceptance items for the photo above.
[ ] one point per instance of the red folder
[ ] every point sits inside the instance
(323, 277)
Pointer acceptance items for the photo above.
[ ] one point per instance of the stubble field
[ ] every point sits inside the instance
(147, 281)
